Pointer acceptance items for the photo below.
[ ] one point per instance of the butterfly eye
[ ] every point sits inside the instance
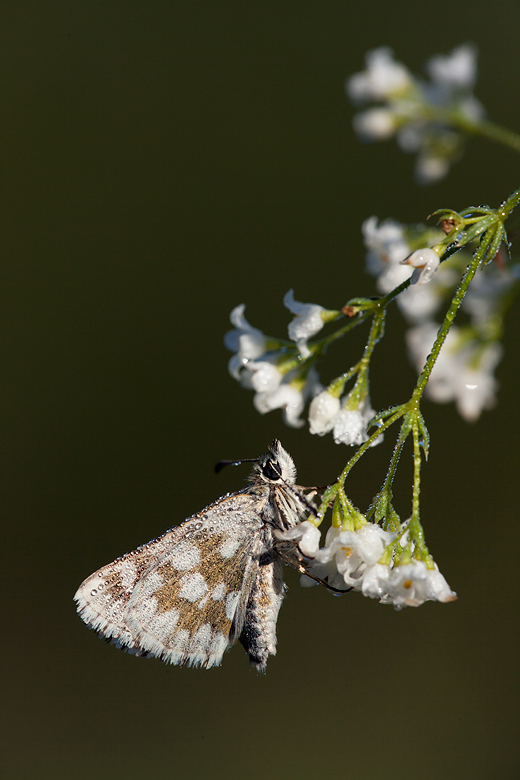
(271, 470)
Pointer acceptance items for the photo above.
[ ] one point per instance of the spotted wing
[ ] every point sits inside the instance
(182, 597)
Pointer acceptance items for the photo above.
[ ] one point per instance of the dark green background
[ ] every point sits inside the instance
(162, 162)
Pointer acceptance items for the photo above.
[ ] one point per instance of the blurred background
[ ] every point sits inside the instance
(161, 163)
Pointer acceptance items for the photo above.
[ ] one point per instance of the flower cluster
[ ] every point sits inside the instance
(353, 560)
(283, 376)
(348, 418)
(422, 115)
(464, 369)
(277, 371)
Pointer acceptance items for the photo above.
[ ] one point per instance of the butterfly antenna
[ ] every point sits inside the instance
(223, 463)
(301, 568)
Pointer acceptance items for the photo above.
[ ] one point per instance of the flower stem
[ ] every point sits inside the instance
(318, 346)
(416, 529)
(448, 321)
(507, 207)
(488, 130)
(364, 447)
(416, 472)
(475, 127)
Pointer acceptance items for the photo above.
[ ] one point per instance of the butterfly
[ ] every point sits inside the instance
(217, 578)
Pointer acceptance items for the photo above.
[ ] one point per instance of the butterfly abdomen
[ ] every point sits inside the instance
(259, 631)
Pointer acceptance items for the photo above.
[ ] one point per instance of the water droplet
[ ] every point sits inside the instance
(93, 592)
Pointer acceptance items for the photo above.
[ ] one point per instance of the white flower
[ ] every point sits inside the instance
(442, 380)
(262, 376)
(416, 110)
(437, 147)
(350, 425)
(325, 567)
(425, 262)
(430, 168)
(457, 70)
(463, 371)
(410, 585)
(347, 422)
(375, 124)
(347, 554)
(247, 342)
(306, 535)
(472, 108)
(356, 550)
(376, 581)
(387, 246)
(259, 364)
(388, 250)
(322, 412)
(307, 322)
(476, 388)
(286, 397)
(289, 396)
(383, 77)
(410, 138)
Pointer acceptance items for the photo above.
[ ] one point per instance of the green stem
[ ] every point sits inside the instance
(357, 455)
(394, 293)
(348, 511)
(416, 472)
(507, 207)
(390, 474)
(490, 131)
(448, 320)
(317, 347)
(332, 490)
(416, 529)
(360, 390)
(474, 127)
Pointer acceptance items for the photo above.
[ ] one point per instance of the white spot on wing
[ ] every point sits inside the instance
(229, 547)
(194, 587)
(147, 610)
(128, 575)
(150, 584)
(163, 624)
(184, 557)
(219, 592)
(180, 639)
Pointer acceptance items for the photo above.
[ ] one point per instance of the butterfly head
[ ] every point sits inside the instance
(275, 466)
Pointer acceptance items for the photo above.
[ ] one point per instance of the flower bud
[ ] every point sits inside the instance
(425, 261)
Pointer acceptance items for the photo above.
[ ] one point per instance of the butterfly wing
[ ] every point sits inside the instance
(182, 597)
